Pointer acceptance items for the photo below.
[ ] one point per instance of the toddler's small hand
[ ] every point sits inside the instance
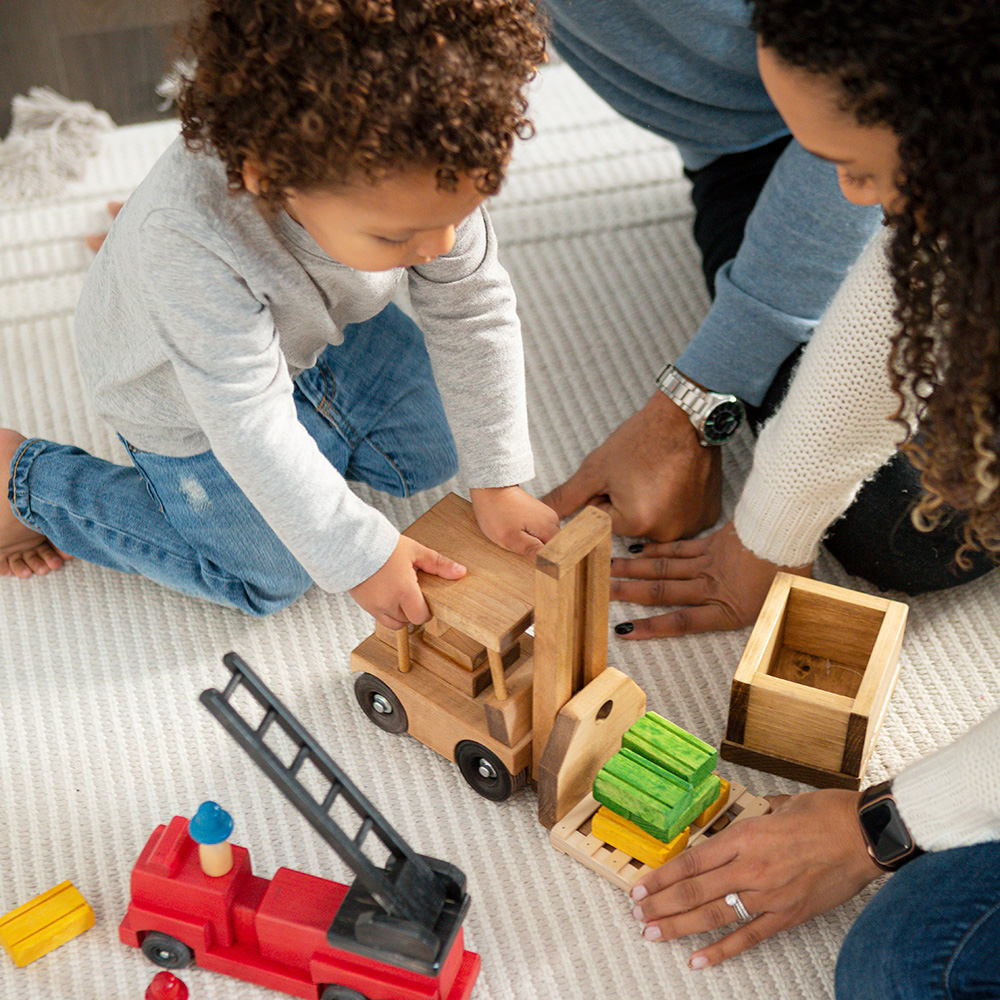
(514, 519)
(393, 595)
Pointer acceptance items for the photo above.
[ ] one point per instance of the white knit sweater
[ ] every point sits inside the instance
(835, 430)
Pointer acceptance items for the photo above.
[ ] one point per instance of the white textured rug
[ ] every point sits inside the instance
(101, 734)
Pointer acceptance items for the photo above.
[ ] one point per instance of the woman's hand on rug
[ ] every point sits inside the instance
(651, 475)
(514, 519)
(802, 859)
(714, 583)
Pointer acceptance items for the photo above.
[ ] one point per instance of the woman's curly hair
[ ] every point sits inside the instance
(930, 72)
(317, 92)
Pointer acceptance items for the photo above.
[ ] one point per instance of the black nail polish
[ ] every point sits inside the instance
(637, 546)
(624, 628)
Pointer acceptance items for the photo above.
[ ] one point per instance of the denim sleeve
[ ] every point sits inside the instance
(800, 241)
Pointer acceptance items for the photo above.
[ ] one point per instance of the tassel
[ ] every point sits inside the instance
(49, 141)
(170, 86)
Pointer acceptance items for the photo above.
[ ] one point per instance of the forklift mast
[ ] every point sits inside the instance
(407, 912)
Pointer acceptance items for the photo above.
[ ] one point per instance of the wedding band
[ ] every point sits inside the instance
(742, 913)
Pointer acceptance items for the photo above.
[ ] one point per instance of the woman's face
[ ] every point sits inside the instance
(866, 157)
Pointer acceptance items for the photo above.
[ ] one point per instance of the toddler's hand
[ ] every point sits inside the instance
(514, 519)
(392, 593)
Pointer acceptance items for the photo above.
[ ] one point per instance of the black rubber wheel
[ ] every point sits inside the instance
(379, 703)
(341, 993)
(165, 951)
(485, 772)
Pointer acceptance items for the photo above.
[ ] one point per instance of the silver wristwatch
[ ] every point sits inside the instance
(716, 417)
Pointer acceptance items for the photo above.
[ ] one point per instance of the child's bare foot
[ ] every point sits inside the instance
(23, 552)
(95, 240)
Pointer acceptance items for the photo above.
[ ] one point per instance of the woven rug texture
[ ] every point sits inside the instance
(101, 734)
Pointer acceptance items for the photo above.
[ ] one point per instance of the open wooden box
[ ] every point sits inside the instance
(812, 686)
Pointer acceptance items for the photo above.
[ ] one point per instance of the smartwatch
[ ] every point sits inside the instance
(890, 844)
(715, 416)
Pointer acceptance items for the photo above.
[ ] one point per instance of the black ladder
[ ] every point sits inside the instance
(407, 912)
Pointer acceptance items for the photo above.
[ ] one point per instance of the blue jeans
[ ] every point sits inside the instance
(931, 933)
(372, 406)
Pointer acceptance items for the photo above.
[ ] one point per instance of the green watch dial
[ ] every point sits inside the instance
(723, 422)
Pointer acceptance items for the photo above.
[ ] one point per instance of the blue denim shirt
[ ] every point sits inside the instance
(687, 69)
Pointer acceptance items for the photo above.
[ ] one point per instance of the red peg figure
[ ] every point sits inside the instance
(210, 828)
(166, 986)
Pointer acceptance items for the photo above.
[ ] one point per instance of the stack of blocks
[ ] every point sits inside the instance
(653, 790)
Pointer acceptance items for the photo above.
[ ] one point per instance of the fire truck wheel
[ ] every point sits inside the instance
(165, 951)
(379, 703)
(484, 771)
(341, 993)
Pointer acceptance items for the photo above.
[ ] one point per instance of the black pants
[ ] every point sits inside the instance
(875, 538)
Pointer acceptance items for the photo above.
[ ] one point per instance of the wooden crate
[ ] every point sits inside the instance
(814, 681)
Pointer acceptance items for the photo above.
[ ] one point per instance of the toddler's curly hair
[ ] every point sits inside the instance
(318, 93)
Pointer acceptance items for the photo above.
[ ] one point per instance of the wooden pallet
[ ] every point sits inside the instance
(572, 836)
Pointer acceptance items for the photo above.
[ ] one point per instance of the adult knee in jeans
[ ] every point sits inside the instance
(930, 932)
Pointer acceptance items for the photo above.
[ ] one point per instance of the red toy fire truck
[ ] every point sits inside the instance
(395, 934)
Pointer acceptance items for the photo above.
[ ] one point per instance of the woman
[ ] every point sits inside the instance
(905, 99)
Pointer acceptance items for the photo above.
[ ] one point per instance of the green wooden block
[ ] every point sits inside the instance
(704, 795)
(654, 799)
(671, 748)
(632, 803)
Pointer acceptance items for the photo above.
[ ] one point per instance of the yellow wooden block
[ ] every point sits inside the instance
(616, 831)
(715, 808)
(45, 922)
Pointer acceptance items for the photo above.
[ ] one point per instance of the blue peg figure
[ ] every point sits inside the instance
(210, 828)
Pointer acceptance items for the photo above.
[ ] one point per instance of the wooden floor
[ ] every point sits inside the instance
(109, 52)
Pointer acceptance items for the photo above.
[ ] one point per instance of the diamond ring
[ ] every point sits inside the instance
(742, 913)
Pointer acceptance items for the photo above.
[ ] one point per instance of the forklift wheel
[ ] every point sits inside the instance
(485, 772)
(165, 951)
(341, 993)
(379, 703)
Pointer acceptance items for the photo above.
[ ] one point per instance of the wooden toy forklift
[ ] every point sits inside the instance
(510, 708)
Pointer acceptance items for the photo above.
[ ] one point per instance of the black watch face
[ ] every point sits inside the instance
(722, 423)
(889, 838)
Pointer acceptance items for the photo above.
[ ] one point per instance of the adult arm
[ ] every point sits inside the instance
(801, 239)
(951, 798)
(834, 430)
(809, 856)
(652, 475)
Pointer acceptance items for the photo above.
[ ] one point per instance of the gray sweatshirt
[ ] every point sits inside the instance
(199, 312)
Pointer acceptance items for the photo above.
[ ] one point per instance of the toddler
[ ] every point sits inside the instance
(236, 328)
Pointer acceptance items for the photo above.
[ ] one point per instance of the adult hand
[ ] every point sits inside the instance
(393, 595)
(652, 476)
(803, 859)
(514, 519)
(717, 582)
